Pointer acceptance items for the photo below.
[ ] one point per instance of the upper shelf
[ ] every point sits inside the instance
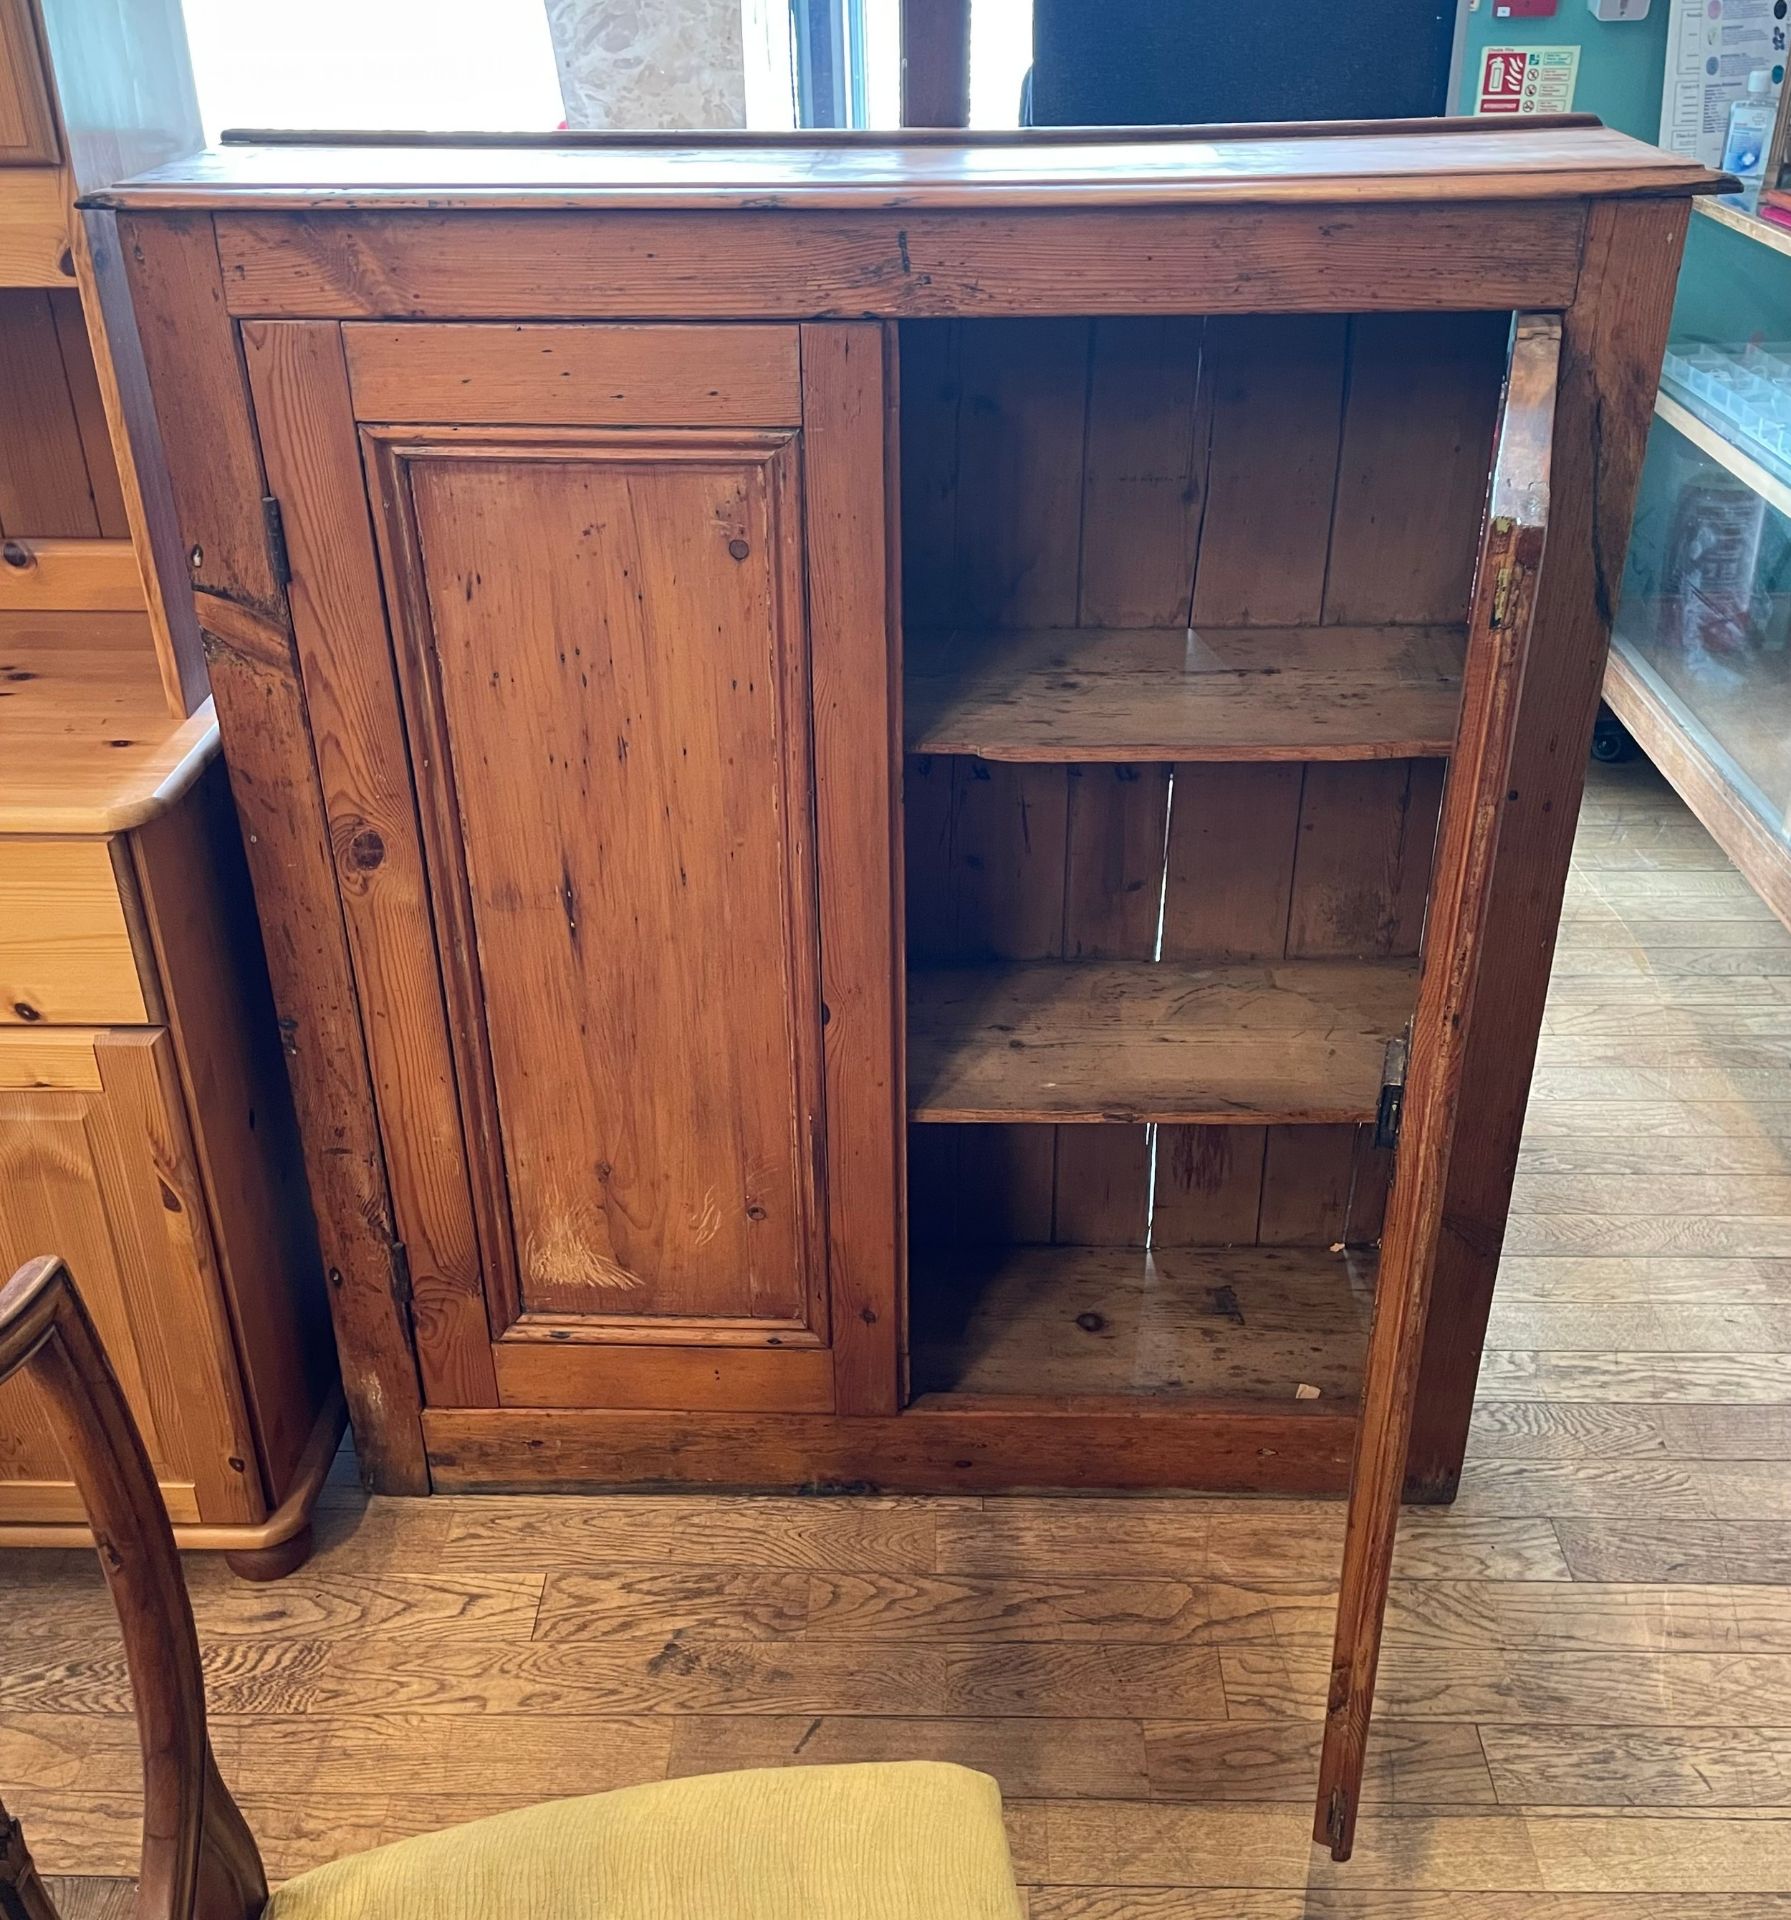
(1115, 694)
(86, 741)
(1355, 162)
(1279, 1042)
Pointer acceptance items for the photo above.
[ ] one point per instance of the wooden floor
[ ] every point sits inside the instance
(1586, 1698)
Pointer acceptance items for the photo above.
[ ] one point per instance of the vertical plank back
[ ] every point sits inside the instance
(1234, 471)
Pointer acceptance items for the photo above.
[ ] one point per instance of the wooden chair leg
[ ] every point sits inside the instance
(199, 1860)
(272, 1563)
(23, 1895)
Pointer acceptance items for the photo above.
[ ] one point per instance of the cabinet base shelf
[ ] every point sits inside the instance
(1250, 1327)
(931, 1448)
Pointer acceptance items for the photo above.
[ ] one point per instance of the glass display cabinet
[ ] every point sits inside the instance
(1700, 668)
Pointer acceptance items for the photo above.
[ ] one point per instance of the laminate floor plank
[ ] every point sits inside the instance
(1031, 1758)
(1641, 1281)
(1673, 1766)
(1585, 1708)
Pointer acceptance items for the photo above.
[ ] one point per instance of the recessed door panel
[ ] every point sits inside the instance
(605, 659)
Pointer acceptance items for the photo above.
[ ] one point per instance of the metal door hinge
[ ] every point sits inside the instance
(274, 525)
(1504, 585)
(401, 1287)
(1391, 1108)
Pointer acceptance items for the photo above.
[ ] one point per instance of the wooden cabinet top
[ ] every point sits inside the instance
(1565, 157)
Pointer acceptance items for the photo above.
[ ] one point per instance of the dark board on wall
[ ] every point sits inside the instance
(1164, 62)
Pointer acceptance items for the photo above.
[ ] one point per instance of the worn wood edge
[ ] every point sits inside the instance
(564, 1450)
(907, 135)
(164, 191)
(288, 1520)
(188, 750)
(1646, 709)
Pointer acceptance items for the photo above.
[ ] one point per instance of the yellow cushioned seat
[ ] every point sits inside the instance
(901, 1840)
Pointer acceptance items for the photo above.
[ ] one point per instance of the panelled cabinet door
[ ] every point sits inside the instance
(573, 769)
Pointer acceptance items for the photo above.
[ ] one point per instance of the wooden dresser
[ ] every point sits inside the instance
(146, 1128)
(843, 746)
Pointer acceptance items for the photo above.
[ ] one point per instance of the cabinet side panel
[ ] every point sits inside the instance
(200, 398)
(1613, 337)
(195, 888)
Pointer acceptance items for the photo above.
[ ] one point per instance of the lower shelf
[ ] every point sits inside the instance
(1252, 1324)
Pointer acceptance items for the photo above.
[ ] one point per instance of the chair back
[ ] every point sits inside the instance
(199, 1860)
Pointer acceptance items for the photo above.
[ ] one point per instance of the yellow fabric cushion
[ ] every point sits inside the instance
(902, 1840)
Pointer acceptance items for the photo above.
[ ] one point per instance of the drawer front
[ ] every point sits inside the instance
(66, 953)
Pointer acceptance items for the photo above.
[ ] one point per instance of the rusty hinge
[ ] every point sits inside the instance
(1390, 1109)
(1504, 584)
(401, 1287)
(273, 524)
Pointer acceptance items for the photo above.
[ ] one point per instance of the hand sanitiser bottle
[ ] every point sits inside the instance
(1750, 129)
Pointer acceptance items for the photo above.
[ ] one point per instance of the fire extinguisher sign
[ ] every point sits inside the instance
(1528, 79)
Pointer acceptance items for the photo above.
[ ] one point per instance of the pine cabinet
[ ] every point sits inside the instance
(909, 800)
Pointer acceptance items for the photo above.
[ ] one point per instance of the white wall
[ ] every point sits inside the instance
(439, 65)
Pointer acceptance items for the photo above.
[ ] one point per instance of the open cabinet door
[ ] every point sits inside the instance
(1474, 805)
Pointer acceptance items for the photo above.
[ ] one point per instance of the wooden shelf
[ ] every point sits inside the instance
(1278, 1042)
(1096, 1323)
(86, 741)
(1169, 693)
